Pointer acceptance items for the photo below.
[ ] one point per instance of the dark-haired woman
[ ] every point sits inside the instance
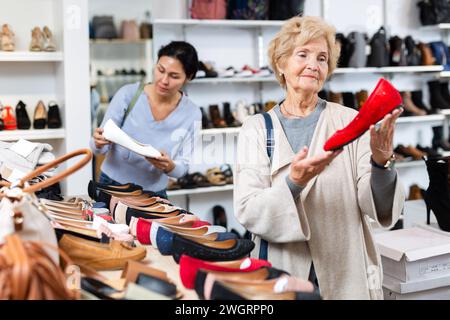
(162, 116)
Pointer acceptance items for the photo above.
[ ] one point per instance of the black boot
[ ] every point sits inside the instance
(437, 196)
(23, 121)
(54, 117)
(436, 99)
(417, 99)
(445, 93)
(438, 139)
(228, 116)
(206, 124)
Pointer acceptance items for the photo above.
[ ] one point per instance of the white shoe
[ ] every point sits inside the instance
(241, 111)
(114, 134)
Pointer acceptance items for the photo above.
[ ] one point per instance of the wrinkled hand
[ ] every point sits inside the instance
(99, 139)
(303, 169)
(163, 163)
(381, 140)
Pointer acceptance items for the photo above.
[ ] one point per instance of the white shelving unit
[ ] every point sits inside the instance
(45, 134)
(25, 56)
(184, 192)
(219, 23)
(62, 76)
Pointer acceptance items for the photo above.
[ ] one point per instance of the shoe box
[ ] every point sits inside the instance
(414, 254)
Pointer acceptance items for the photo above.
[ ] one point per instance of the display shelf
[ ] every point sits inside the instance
(413, 69)
(182, 192)
(220, 22)
(409, 164)
(445, 74)
(421, 119)
(215, 131)
(118, 41)
(234, 80)
(445, 112)
(44, 134)
(26, 56)
(441, 26)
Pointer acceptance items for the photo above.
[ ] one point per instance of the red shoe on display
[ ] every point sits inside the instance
(383, 100)
(189, 267)
(9, 119)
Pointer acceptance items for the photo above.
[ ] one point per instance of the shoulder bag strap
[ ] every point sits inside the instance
(133, 102)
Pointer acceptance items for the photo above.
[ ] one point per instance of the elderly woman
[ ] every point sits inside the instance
(311, 206)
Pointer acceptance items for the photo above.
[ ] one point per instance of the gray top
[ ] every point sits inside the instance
(299, 132)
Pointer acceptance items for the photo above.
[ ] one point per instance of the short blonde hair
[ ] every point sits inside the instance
(298, 31)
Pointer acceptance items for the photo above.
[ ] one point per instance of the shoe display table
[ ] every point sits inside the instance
(164, 263)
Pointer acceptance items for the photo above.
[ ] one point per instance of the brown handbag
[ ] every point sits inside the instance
(29, 260)
(427, 56)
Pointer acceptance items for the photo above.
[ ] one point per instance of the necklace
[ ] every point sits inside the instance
(290, 114)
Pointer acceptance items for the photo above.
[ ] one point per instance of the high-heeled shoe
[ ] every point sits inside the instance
(383, 100)
(7, 40)
(40, 116)
(23, 121)
(37, 40)
(48, 41)
(437, 196)
(9, 119)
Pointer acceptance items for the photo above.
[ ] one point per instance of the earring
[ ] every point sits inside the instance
(280, 74)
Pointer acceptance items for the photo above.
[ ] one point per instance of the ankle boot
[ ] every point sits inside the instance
(214, 114)
(437, 197)
(361, 98)
(445, 93)
(417, 99)
(229, 118)
(349, 100)
(383, 100)
(23, 121)
(410, 106)
(438, 139)
(54, 117)
(436, 99)
(7, 40)
(206, 124)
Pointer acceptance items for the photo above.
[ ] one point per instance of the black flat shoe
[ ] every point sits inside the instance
(54, 117)
(40, 116)
(211, 250)
(94, 189)
(23, 121)
(157, 285)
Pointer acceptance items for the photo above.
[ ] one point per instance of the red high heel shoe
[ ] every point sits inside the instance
(383, 99)
(9, 119)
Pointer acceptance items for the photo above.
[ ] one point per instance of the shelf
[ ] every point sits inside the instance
(118, 41)
(206, 132)
(421, 119)
(228, 187)
(45, 134)
(26, 56)
(234, 80)
(445, 112)
(219, 22)
(441, 26)
(390, 69)
(445, 74)
(409, 164)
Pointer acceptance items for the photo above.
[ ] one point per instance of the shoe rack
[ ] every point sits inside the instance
(62, 76)
(245, 42)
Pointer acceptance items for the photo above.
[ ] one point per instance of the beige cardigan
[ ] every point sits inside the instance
(328, 222)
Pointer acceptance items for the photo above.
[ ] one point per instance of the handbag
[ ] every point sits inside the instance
(209, 9)
(248, 9)
(19, 208)
(357, 42)
(286, 9)
(379, 47)
(441, 54)
(129, 30)
(103, 27)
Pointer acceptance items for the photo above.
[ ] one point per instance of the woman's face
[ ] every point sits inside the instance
(169, 76)
(307, 68)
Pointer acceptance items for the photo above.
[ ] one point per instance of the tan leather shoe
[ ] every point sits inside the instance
(414, 192)
(100, 256)
(7, 40)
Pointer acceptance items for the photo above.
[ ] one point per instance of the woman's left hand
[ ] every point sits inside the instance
(163, 163)
(381, 140)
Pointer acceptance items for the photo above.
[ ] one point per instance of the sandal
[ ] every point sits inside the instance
(216, 177)
(227, 172)
(173, 185)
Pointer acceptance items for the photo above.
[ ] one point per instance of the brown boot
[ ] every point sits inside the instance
(410, 106)
(216, 119)
(361, 97)
(7, 39)
(336, 97)
(37, 39)
(414, 192)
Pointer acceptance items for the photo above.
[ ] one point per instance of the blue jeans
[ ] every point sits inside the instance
(104, 179)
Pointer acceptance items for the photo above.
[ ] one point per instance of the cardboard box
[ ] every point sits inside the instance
(413, 254)
(397, 286)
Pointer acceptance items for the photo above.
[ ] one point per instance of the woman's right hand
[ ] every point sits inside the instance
(99, 140)
(304, 169)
